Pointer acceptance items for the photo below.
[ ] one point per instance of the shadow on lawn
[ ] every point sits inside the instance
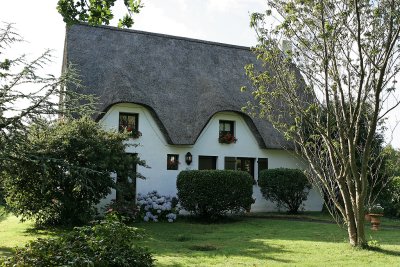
(249, 248)
(3, 214)
(47, 232)
(5, 251)
(200, 241)
(244, 238)
(386, 251)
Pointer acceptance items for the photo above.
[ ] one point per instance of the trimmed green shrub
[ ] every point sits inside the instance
(212, 193)
(109, 243)
(287, 187)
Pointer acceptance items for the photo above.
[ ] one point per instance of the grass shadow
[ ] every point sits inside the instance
(385, 251)
(194, 241)
(6, 252)
(47, 231)
(188, 241)
(221, 220)
(3, 213)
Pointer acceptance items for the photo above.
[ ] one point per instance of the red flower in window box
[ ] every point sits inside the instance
(227, 138)
(133, 133)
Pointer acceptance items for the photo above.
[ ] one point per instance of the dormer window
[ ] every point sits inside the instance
(227, 132)
(129, 122)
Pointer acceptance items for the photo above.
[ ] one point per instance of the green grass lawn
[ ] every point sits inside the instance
(14, 233)
(247, 241)
(265, 242)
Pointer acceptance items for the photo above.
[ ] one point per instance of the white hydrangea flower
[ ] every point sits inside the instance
(156, 205)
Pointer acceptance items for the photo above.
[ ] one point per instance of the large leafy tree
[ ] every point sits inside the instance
(336, 73)
(28, 94)
(389, 196)
(52, 171)
(96, 12)
(61, 171)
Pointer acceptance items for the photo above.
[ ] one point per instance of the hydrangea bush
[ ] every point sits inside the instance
(154, 207)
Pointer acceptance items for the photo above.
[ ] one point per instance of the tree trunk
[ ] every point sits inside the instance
(360, 219)
(355, 226)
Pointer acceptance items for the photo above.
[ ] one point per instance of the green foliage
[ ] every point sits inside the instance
(20, 107)
(390, 199)
(328, 79)
(212, 193)
(62, 170)
(108, 243)
(375, 209)
(387, 192)
(96, 12)
(2, 200)
(287, 187)
(127, 211)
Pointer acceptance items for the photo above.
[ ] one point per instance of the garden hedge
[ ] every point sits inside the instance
(287, 187)
(212, 193)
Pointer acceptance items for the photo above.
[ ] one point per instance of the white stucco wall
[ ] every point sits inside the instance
(153, 148)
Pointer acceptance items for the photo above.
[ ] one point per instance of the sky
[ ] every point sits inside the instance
(224, 21)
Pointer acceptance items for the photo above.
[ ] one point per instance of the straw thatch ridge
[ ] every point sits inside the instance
(182, 81)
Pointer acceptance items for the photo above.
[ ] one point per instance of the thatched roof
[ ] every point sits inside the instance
(182, 81)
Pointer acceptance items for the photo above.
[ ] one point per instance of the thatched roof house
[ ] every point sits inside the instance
(182, 81)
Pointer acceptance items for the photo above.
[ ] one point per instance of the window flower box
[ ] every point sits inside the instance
(227, 138)
(133, 133)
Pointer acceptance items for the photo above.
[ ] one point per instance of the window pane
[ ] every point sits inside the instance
(131, 121)
(226, 127)
(172, 161)
(207, 163)
(128, 121)
(230, 163)
(122, 122)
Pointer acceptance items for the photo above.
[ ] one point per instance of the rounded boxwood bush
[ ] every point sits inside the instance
(287, 187)
(212, 193)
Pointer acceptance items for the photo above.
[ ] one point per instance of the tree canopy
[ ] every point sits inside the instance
(96, 12)
(55, 162)
(62, 170)
(336, 73)
(29, 95)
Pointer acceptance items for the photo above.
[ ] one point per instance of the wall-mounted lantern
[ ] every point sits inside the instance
(188, 158)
